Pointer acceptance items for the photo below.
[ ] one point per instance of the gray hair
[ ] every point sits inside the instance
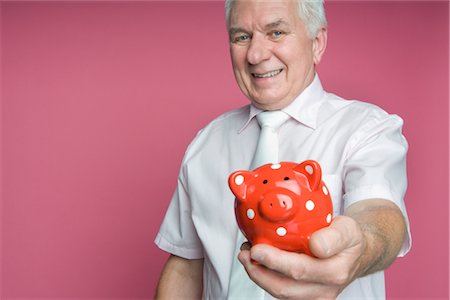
(311, 12)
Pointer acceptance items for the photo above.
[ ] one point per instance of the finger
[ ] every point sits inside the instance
(343, 233)
(301, 267)
(282, 287)
(278, 285)
(290, 264)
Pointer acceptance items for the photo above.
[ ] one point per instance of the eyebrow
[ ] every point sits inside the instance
(276, 24)
(269, 26)
(234, 30)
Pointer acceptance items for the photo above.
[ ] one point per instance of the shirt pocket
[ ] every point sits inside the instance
(334, 185)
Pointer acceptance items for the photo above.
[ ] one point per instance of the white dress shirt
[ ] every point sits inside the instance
(359, 146)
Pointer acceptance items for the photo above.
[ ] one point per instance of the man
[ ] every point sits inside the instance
(275, 46)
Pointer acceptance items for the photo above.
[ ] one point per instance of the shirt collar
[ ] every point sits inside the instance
(304, 108)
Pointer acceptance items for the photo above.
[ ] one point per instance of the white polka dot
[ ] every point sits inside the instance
(324, 190)
(329, 218)
(309, 169)
(239, 180)
(275, 166)
(310, 205)
(250, 213)
(281, 231)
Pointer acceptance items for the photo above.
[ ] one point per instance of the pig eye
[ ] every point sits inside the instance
(265, 181)
(286, 178)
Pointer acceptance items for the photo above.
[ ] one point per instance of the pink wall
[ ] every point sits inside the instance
(101, 99)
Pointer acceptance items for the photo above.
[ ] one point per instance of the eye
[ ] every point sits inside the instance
(286, 178)
(265, 181)
(241, 38)
(277, 34)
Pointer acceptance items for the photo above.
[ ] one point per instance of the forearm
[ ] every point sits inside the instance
(181, 279)
(383, 227)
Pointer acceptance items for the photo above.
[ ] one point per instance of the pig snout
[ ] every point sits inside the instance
(278, 205)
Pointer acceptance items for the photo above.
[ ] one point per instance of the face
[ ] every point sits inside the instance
(273, 58)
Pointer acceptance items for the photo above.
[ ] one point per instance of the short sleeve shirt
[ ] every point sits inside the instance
(359, 146)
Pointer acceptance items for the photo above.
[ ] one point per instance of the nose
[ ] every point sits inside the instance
(258, 51)
(278, 206)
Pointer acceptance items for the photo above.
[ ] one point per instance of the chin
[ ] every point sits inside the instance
(270, 103)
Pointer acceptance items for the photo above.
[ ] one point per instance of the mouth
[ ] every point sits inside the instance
(268, 74)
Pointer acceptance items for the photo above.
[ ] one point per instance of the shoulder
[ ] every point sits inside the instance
(216, 131)
(229, 121)
(353, 106)
(231, 117)
(363, 123)
(356, 113)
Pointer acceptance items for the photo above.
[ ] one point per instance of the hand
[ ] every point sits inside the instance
(339, 251)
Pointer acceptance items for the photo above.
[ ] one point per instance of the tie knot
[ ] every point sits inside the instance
(272, 119)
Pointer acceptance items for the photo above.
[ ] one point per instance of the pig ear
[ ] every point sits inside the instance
(238, 182)
(311, 169)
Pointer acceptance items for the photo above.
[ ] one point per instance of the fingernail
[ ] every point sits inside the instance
(245, 246)
(258, 256)
(324, 245)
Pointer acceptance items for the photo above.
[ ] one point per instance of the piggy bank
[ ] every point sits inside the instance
(281, 204)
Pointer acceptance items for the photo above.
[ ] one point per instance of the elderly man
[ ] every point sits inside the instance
(275, 46)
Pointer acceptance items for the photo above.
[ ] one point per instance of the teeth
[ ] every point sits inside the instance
(267, 75)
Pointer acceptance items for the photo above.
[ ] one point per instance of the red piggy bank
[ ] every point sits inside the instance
(281, 204)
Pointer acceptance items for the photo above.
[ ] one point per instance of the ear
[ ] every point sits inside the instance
(238, 182)
(319, 45)
(311, 169)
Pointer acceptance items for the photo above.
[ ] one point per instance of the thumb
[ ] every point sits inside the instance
(342, 233)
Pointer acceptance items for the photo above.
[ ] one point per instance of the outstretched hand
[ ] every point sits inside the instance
(366, 240)
(339, 251)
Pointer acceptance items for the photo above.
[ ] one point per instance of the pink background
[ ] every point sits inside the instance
(100, 100)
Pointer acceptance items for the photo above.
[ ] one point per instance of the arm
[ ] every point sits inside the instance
(367, 239)
(384, 230)
(181, 279)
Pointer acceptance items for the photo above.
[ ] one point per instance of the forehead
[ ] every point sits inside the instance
(249, 13)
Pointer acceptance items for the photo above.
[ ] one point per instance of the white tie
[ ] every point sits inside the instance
(267, 149)
(241, 286)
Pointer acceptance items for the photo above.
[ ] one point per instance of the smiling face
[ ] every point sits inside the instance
(273, 58)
